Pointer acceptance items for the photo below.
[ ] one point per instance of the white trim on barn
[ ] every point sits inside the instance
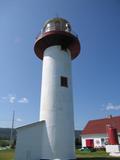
(98, 139)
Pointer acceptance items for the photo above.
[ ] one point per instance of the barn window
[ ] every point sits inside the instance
(64, 81)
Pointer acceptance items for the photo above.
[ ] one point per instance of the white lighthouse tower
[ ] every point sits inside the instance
(57, 46)
(52, 137)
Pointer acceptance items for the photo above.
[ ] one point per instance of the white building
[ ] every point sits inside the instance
(94, 134)
(29, 141)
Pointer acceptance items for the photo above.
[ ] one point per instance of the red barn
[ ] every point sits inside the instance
(95, 132)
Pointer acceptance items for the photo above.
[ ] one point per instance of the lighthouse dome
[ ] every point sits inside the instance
(58, 24)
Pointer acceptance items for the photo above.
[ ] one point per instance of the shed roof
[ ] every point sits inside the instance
(31, 125)
(99, 126)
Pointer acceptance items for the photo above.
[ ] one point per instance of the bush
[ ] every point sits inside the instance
(100, 148)
(4, 143)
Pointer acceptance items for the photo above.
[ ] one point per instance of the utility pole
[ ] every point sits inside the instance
(12, 127)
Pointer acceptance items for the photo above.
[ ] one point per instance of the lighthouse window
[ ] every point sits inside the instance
(64, 81)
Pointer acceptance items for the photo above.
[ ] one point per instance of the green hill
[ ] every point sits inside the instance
(5, 133)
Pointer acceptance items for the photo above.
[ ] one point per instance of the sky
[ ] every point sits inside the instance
(95, 72)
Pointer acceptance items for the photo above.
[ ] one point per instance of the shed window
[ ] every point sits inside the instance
(64, 81)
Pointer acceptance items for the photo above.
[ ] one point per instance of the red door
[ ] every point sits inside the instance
(89, 143)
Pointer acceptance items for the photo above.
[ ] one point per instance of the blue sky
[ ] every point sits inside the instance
(96, 72)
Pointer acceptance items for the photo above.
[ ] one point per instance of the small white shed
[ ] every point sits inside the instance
(29, 141)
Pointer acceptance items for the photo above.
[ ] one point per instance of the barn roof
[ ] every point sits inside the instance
(99, 126)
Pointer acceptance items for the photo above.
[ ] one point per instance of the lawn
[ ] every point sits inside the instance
(99, 155)
(7, 154)
(91, 154)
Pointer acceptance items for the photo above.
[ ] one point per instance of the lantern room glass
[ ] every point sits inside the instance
(57, 24)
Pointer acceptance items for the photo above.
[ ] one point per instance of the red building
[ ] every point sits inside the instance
(95, 133)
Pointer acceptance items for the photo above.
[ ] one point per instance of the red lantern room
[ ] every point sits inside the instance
(57, 31)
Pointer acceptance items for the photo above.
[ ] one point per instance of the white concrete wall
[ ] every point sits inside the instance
(96, 137)
(29, 142)
(57, 104)
(113, 148)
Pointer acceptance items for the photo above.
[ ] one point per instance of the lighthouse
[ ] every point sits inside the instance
(52, 137)
(57, 46)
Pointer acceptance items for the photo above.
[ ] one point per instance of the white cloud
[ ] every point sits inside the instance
(23, 100)
(11, 98)
(111, 106)
(3, 98)
(19, 120)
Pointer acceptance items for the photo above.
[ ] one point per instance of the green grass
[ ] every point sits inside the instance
(91, 154)
(98, 155)
(7, 154)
